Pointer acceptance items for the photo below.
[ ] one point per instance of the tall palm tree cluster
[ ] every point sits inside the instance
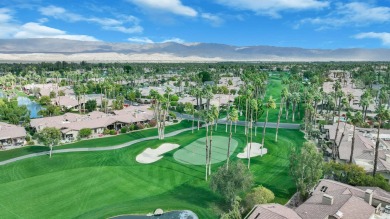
(161, 105)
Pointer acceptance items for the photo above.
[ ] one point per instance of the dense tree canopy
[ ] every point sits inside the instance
(12, 113)
(229, 182)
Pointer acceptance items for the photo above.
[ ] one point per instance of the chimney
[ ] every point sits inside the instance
(327, 199)
(368, 195)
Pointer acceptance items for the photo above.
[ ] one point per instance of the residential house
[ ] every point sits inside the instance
(70, 123)
(11, 135)
(272, 211)
(364, 149)
(331, 200)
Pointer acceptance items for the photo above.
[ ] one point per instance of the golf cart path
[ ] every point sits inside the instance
(108, 148)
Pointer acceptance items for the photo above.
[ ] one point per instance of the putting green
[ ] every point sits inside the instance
(195, 152)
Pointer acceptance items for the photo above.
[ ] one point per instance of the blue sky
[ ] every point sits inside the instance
(328, 24)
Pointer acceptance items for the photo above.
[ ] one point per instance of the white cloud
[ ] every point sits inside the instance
(140, 40)
(5, 15)
(214, 19)
(121, 24)
(273, 7)
(171, 6)
(173, 40)
(355, 13)
(43, 20)
(143, 40)
(36, 30)
(11, 29)
(384, 37)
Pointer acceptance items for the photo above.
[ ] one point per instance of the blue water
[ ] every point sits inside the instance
(169, 215)
(32, 106)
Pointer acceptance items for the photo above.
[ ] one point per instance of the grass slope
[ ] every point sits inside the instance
(97, 142)
(108, 183)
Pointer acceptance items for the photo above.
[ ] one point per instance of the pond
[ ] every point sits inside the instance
(32, 106)
(169, 215)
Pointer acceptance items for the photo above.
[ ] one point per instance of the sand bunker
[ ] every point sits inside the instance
(152, 155)
(255, 151)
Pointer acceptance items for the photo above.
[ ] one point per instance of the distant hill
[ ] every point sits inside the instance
(33, 50)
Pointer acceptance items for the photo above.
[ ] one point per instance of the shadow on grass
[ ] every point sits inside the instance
(199, 196)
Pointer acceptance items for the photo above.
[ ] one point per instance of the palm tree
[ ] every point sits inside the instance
(356, 120)
(258, 113)
(317, 98)
(248, 95)
(85, 90)
(287, 104)
(215, 112)
(233, 117)
(340, 95)
(295, 98)
(253, 107)
(345, 104)
(208, 94)
(336, 87)
(350, 98)
(283, 95)
(208, 119)
(189, 108)
(365, 100)
(269, 105)
(382, 115)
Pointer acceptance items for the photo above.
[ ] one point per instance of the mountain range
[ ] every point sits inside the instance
(36, 50)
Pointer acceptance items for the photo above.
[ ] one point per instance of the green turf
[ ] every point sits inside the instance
(97, 142)
(107, 183)
(194, 153)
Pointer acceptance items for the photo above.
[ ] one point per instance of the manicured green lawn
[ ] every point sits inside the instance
(194, 153)
(108, 183)
(98, 142)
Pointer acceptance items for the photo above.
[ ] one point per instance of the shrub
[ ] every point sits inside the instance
(152, 123)
(28, 138)
(174, 98)
(259, 195)
(112, 132)
(180, 107)
(132, 127)
(172, 114)
(140, 126)
(147, 125)
(31, 143)
(123, 129)
(365, 125)
(106, 132)
(84, 133)
(44, 100)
